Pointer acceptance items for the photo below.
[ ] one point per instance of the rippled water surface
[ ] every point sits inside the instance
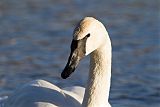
(35, 36)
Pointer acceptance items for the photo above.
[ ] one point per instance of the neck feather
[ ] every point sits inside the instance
(97, 90)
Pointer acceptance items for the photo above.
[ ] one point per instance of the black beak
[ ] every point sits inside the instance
(71, 66)
(77, 53)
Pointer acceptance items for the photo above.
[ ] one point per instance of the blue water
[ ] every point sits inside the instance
(35, 36)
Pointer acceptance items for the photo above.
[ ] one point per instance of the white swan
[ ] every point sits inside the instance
(89, 37)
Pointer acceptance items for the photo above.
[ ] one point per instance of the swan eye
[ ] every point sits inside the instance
(88, 35)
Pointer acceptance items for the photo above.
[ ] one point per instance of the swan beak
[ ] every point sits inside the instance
(77, 53)
(72, 63)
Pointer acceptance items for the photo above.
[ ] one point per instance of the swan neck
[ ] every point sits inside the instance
(97, 90)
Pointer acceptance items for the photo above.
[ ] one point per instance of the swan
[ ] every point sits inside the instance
(89, 37)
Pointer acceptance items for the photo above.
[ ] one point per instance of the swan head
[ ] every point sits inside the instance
(88, 36)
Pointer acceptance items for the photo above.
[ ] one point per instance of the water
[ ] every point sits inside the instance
(35, 36)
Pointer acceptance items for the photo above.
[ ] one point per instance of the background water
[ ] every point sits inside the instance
(35, 36)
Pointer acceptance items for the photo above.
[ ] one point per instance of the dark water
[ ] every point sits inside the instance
(35, 36)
